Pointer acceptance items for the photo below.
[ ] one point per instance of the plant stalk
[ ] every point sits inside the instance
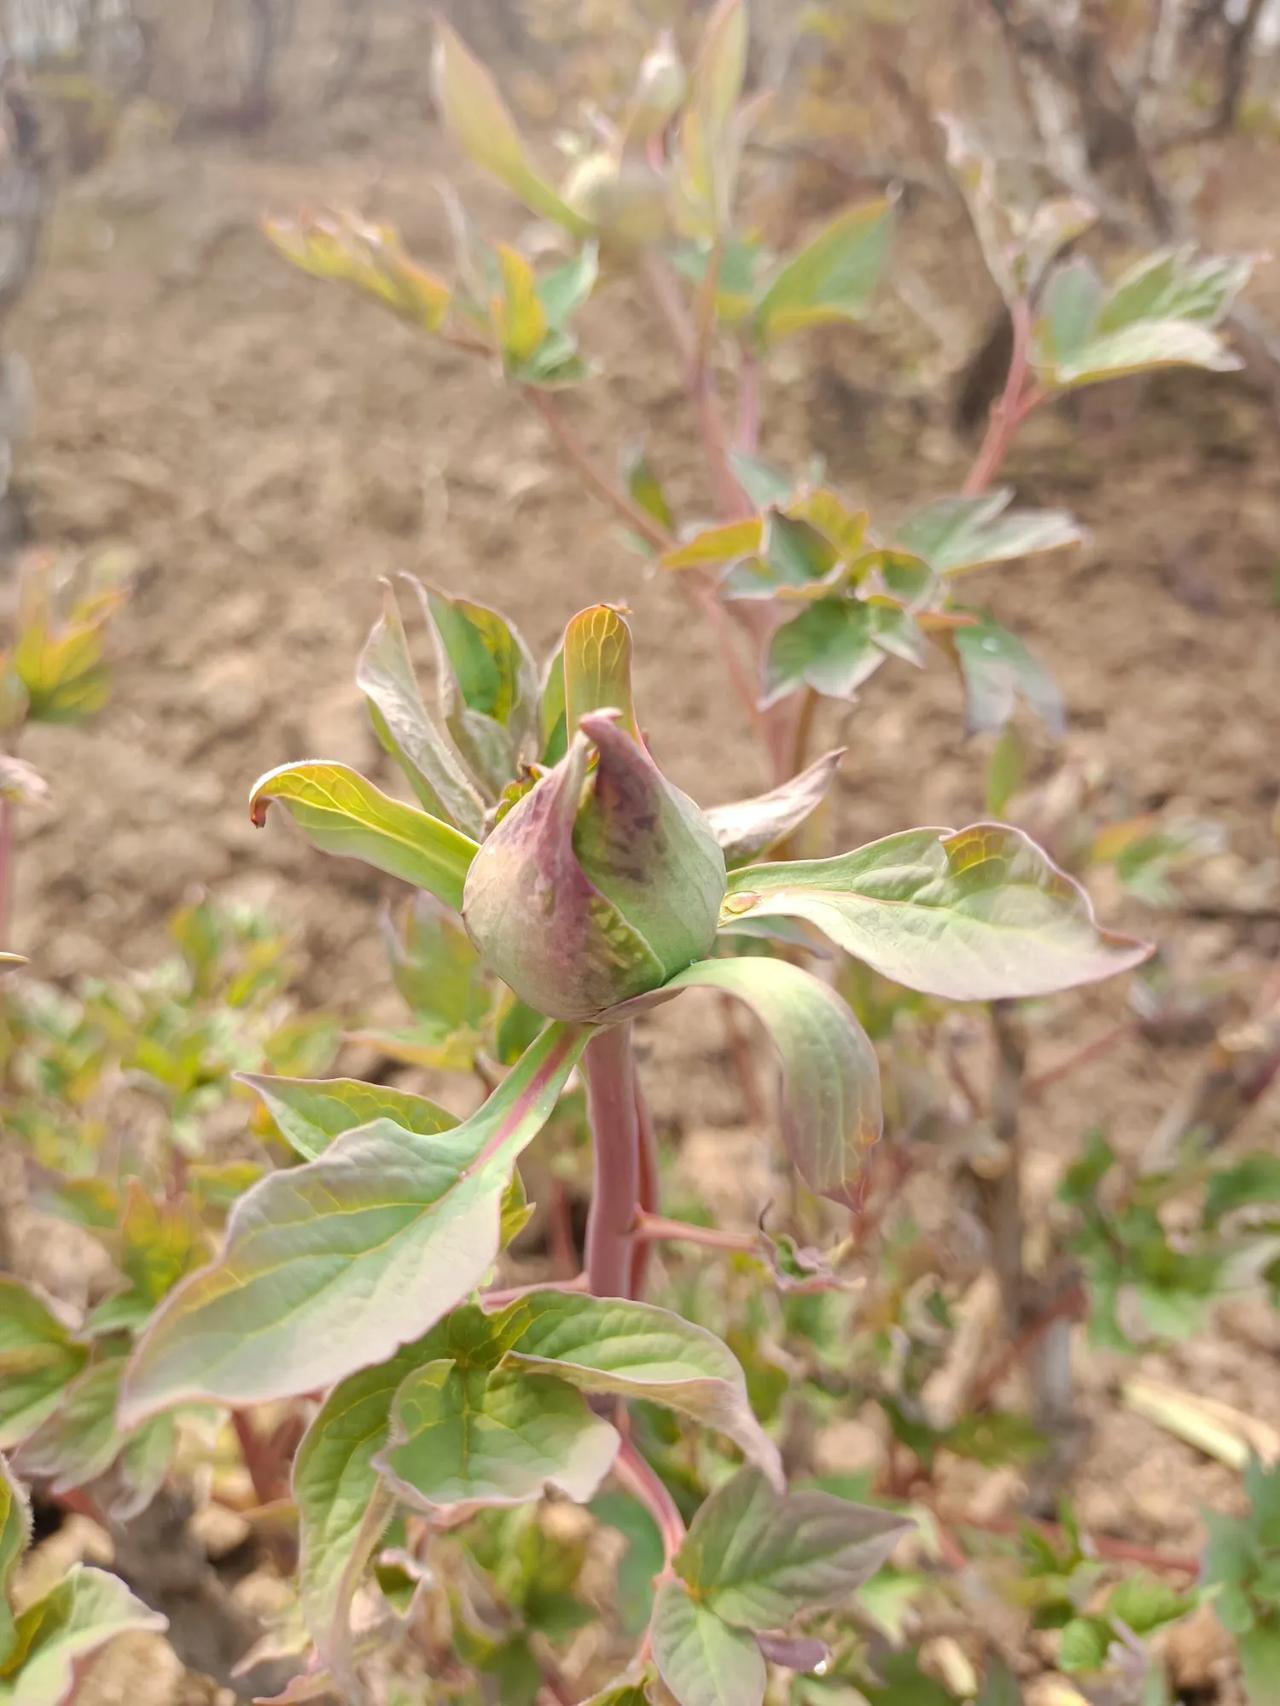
(1014, 404)
(610, 1071)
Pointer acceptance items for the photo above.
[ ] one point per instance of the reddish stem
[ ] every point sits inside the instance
(500, 1296)
(1069, 1307)
(646, 1485)
(609, 1069)
(593, 476)
(259, 1459)
(651, 1228)
(1092, 1050)
(1015, 404)
(7, 813)
(650, 1190)
(747, 435)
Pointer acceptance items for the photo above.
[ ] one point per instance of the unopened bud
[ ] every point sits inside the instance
(600, 884)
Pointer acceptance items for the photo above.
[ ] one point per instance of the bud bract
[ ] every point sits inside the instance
(600, 884)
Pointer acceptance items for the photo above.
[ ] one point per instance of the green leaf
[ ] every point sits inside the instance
(830, 646)
(1260, 1661)
(343, 813)
(701, 1659)
(758, 1558)
(54, 1636)
(596, 659)
(311, 1112)
(489, 686)
(38, 1361)
(435, 966)
(644, 488)
(975, 914)
(408, 731)
(343, 1506)
(709, 131)
(470, 1435)
(1173, 284)
(832, 278)
(1143, 1602)
(747, 828)
(160, 1242)
(728, 542)
(954, 535)
(1255, 1179)
(80, 1440)
(831, 1111)
(1084, 1644)
(636, 1350)
(333, 1265)
(997, 667)
(477, 118)
(640, 1564)
(15, 1537)
(1160, 314)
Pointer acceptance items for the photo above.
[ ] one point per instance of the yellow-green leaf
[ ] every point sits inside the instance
(343, 813)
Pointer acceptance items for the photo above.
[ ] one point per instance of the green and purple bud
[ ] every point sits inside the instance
(601, 884)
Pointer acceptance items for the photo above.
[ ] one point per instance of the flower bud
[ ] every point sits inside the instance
(600, 884)
(625, 200)
(660, 90)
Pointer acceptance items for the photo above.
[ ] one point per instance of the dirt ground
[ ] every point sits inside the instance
(268, 448)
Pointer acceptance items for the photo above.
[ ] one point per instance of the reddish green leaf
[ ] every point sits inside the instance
(700, 1658)
(972, 914)
(311, 1112)
(333, 1265)
(38, 1361)
(757, 1558)
(749, 827)
(830, 1077)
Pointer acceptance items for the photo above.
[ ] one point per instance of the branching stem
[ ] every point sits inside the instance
(652, 1228)
(1016, 402)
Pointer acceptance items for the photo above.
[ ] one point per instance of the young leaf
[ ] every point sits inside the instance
(701, 1659)
(830, 1078)
(80, 1440)
(746, 828)
(645, 489)
(15, 1536)
(54, 1636)
(311, 1112)
(333, 1265)
(997, 667)
(727, 543)
(830, 646)
(1161, 314)
(954, 535)
(489, 686)
(973, 914)
(709, 138)
(475, 114)
(468, 1435)
(519, 318)
(372, 257)
(596, 660)
(343, 1506)
(757, 1558)
(38, 1361)
(343, 813)
(1173, 284)
(635, 1350)
(408, 731)
(832, 278)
